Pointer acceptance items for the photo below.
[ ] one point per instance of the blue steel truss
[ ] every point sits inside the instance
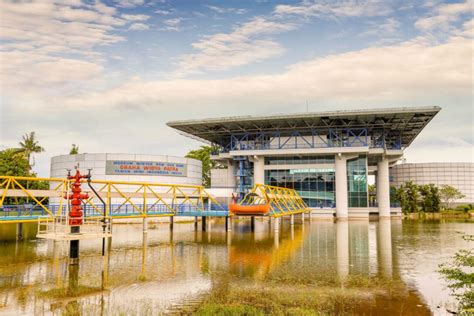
(332, 137)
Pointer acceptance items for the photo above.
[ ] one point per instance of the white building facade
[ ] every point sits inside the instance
(131, 168)
(457, 174)
(326, 157)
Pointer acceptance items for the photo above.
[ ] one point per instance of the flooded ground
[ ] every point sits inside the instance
(355, 267)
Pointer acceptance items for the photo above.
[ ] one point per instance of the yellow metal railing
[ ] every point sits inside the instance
(282, 201)
(142, 197)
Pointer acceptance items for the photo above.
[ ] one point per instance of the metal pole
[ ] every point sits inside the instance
(204, 223)
(104, 218)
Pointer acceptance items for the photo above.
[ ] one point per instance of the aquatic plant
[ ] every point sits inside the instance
(459, 273)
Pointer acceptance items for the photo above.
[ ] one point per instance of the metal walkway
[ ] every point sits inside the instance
(19, 203)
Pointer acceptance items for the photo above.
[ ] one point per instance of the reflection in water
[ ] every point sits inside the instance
(384, 247)
(160, 270)
(342, 246)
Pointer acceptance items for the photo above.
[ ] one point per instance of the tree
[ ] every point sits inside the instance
(13, 162)
(401, 197)
(430, 198)
(204, 155)
(412, 196)
(29, 146)
(74, 150)
(449, 194)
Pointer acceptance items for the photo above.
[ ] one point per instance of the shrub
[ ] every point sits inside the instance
(463, 208)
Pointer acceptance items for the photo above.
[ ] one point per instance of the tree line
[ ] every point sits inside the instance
(426, 197)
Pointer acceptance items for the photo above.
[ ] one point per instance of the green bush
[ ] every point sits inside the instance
(463, 208)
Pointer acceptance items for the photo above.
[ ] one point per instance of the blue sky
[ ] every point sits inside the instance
(108, 75)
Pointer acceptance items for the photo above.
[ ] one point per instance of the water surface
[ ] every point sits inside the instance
(171, 272)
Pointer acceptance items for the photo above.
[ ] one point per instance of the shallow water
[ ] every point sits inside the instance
(164, 272)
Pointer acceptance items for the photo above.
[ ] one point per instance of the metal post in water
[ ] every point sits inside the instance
(277, 225)
(19, 231)
(203, 223)
(196, 222)
(171, 222)
(292, 219)
(302, 217)
(252, 223)
(145, 225)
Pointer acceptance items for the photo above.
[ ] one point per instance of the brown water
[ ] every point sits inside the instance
(164, 272)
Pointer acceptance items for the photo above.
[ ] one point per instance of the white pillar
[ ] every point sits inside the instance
(292, 219)
(231, 178)
(341, 187)
(383, 188)
(258, 170)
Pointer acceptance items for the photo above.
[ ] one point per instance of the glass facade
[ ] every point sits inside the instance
(315, 185)
(299, 160)
(357, 182)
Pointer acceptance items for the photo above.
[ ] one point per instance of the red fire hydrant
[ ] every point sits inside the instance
(76, 197)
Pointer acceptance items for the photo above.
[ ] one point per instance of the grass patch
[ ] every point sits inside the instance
(283, 300)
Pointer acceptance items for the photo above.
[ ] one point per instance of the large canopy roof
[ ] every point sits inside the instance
(410, 121)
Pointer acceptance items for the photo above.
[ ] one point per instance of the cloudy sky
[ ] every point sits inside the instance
(108, 75)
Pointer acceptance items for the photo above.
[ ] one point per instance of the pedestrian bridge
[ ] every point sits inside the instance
(21, 200)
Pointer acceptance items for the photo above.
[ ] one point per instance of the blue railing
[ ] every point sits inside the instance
(10, 212)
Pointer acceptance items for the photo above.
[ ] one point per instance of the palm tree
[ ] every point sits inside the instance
(74, 150)
(29, 146)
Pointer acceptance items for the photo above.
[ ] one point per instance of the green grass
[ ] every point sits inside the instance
(330, 296)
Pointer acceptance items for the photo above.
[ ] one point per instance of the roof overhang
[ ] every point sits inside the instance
(410, 121)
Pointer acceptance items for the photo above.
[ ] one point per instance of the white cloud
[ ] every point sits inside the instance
(330, 9)
(377, 74)
(387, 28)
(244, 45)
(139, 27)
(50, 42)
(445, 14)
(135, 17)
(172, 24)
(163, 12)
(223, 10)
(130, 3)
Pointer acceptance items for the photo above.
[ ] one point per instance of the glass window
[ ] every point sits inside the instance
(357, 182)
(315, 186)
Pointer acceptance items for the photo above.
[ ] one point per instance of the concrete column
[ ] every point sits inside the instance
(292, 219)
(231, 178)
(342, 249)
(302, 218)
(383, 188)
(341, 187)
(258, 170)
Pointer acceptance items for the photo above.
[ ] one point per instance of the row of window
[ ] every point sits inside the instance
(299, 160)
